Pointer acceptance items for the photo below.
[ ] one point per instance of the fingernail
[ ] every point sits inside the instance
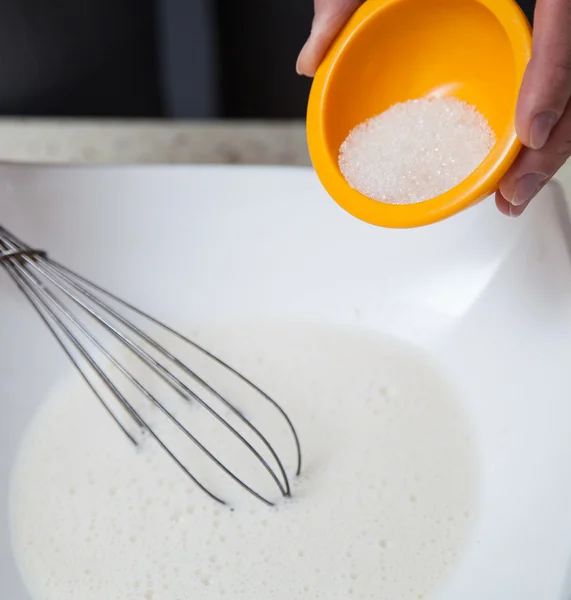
(527, 187)
(541, 127)
(517, 211)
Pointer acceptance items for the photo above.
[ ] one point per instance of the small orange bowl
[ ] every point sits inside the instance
(396, 50)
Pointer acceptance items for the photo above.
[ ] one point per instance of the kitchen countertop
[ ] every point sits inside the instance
(107, 141)
(91, 141)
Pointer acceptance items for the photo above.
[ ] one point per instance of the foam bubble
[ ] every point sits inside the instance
(415, 150)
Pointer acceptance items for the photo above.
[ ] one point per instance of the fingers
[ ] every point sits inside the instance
(533, 169)
(508, 209)
(543, 118)
(330, 16)
(546, 87)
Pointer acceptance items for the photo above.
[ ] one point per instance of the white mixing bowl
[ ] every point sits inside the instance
(488, 297)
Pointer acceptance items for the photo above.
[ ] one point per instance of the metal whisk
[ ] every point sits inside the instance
(78, 311)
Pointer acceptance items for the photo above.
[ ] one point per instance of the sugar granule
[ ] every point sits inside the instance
(415, 150)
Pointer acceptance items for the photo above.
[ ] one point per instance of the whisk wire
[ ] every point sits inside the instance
(154, 400)
(32, 296)
(60, 270)
(166, 376)
(204, 351)
(26, 266)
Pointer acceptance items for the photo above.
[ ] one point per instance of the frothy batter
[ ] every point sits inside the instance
(384, 506)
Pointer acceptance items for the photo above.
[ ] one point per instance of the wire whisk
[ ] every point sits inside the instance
(91, 326)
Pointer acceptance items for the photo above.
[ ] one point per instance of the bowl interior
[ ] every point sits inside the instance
(413, 49)
(396, 51)
(487, 297)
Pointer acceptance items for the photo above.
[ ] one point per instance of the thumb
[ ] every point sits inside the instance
(330, 16)
(546, 87)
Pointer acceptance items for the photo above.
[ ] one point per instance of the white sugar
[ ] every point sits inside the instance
(415, 150)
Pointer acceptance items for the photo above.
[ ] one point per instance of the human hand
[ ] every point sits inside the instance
(543, 116)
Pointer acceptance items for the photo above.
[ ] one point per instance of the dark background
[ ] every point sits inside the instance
(155, 58)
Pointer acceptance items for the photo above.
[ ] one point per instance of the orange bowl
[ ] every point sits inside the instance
(396, 50)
